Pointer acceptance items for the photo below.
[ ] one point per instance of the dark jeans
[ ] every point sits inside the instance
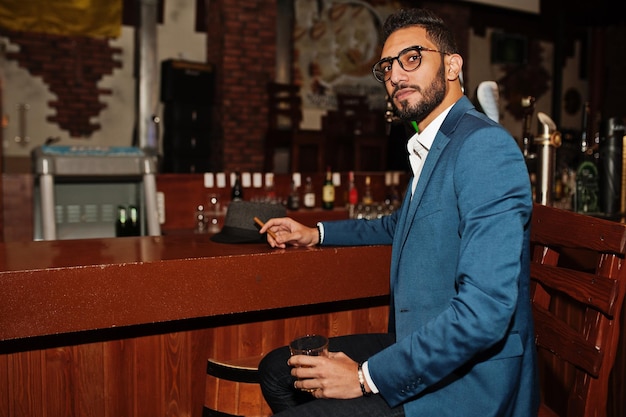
(283, 398)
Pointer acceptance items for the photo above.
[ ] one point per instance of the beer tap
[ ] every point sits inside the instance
(528, 106)
(547, 141)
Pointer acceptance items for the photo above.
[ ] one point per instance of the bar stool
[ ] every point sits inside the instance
(233, 390)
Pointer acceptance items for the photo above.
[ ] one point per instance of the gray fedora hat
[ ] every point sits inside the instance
(239, 225)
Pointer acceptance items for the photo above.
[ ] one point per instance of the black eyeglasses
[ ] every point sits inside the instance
(409, 59)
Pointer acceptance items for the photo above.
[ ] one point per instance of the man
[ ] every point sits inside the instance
(461, 339)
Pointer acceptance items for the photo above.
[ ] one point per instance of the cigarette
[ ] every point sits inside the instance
(260, 223)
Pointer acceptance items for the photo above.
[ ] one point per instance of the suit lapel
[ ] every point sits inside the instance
(410, 205)
(439, 144)
(434, 154)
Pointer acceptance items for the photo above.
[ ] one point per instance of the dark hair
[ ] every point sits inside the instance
(436, 29)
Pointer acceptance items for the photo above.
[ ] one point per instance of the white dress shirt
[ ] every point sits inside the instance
(419, 145)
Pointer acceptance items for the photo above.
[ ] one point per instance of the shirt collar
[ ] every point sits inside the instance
(425, 139)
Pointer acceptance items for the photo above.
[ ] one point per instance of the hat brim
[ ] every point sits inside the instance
(230, 234)
(239, 225)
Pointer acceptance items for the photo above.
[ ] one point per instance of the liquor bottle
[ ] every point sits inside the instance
(308, 200)
(353, 193)
(135, 229)
(237, 190)
(610, 153)
(121, 225)
(328, 191)
(270, 191)
(367, 194)
(293, 200)
(587, 178)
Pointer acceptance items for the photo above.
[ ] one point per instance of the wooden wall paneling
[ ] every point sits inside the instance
(177, 374)
(316, 324)
(378, 319)
(359, 322)
(250, 339)
(4, 386)
(346, 322)
(25, 384)
(163, 374)
(88, 376)
(201, 344)
(59, 388)
(295, 326)
(149, 362)
(119, 377)
(226, 342)
(273, 334)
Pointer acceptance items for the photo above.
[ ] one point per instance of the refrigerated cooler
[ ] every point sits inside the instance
(80, 191)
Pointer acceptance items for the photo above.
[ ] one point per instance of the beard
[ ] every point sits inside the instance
(431, 98)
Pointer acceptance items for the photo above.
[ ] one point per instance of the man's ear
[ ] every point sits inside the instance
(455, 64)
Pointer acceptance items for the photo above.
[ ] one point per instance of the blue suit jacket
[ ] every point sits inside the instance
(459, 278)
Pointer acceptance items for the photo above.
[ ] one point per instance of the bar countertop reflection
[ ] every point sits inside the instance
(55, 287)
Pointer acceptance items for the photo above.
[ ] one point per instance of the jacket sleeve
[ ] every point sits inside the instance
(361, 232)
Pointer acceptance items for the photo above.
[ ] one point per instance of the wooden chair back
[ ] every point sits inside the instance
(284, 112)
(577, 290)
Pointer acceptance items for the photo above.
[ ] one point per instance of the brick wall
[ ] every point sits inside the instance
(241, 43)
(72, 68)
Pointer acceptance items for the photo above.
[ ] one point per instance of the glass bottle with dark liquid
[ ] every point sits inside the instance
(237, 190)
(308, 200)
(587, 186)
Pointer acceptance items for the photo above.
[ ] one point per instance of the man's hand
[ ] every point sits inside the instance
(289, 232)
(334, 376)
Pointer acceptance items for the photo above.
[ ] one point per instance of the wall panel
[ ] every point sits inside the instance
(159, 373)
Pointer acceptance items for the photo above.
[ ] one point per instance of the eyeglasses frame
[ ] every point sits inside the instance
(419, 48)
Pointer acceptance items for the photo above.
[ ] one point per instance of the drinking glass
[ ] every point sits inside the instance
(311, 345)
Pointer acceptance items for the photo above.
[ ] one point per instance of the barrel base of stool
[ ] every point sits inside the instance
(232, 389)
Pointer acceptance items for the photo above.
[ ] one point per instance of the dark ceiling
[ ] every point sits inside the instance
(559, 21)
(586, 12)
(579, 14)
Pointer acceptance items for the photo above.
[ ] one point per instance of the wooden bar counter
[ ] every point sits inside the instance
(108, 327)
